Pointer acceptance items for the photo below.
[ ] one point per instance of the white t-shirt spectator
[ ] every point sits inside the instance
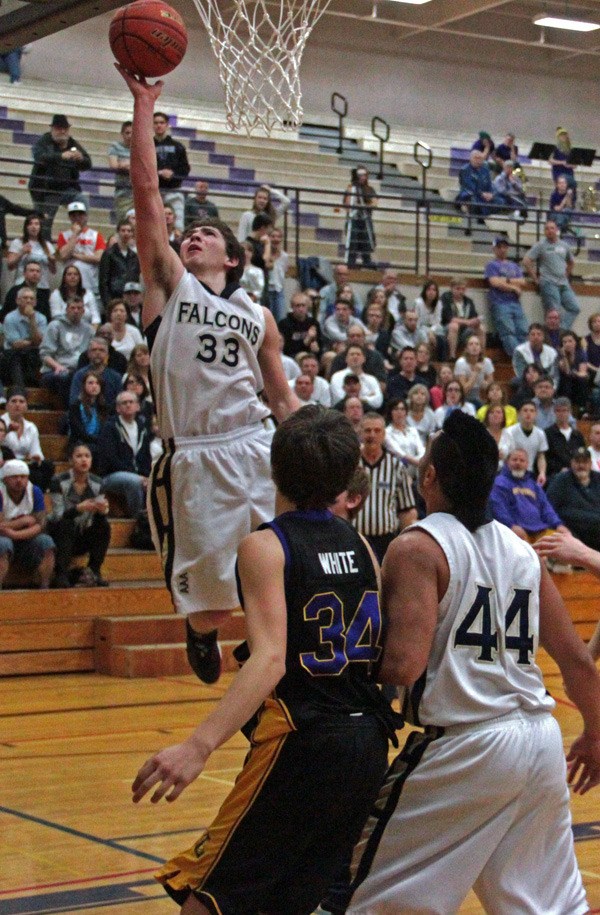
(28, 445)
(132, 338)
(37, 255)
(370, 390)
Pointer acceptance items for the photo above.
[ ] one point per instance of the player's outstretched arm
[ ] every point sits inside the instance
(414, 578)
(161, 268)
(564, 547)
(261, 566)
(582, 683)
(282, 400)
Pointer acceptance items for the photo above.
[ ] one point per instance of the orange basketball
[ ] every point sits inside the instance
(148, 37)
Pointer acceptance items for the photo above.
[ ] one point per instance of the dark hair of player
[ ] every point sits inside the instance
(233, 248)
(465, 457)
(314, 453)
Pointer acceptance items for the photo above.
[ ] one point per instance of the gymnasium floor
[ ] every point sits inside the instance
(71, 841)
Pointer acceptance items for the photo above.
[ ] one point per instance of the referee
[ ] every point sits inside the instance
(390, 506)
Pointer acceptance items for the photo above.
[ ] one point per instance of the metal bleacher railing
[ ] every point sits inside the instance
(405, 225)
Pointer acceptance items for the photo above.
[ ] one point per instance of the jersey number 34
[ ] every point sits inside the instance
(340, 645)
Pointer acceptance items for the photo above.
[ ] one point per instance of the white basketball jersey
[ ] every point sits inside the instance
(204, 362)
(482, 661)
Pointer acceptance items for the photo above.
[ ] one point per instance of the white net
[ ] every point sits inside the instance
(259, 45)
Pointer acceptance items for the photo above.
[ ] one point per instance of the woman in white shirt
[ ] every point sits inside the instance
(401, 439)
(31, 247)
(454, 399)
(474, 370)
(125, 336)
(23, 439)
(266, 200)
(71, 284)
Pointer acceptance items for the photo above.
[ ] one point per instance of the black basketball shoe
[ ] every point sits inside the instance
(203, 653)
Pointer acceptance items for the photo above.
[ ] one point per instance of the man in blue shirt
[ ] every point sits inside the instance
(23, 331)
(506, 282)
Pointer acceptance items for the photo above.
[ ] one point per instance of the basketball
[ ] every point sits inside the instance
(148, 37)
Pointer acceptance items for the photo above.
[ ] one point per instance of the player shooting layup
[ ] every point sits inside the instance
(213, 350)
(480, 799)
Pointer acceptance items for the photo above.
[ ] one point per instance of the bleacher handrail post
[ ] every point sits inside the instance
(383, 137)
(339, 105)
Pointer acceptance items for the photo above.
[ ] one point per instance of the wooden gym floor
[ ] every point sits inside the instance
(69, 747)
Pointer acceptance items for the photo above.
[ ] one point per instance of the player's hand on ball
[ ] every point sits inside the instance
(171, 771)
(138, 85)
(583, 763)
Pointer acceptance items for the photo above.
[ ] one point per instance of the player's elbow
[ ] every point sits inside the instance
(400, 669)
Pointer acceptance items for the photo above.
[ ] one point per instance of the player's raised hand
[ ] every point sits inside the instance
(170, 771)
(562, 546)
(583, 763)
(138, 86)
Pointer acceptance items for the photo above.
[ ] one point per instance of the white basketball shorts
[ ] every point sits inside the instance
(204, 496)
(484, 807)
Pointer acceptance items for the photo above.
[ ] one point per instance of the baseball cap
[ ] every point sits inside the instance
(14, 468)
(581, 453)
(59, 120)
(130, 212)
(77, 207)
(501, 240)
(132, 287)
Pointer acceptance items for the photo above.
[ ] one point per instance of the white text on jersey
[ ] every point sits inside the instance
(338, 563)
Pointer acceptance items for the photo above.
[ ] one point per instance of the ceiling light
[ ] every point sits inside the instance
(560, 22)
(414, 2)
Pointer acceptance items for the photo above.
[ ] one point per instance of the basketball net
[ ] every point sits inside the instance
(259, 51)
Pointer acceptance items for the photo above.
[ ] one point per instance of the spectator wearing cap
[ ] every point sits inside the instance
(132, 296)
(82, 246)
(506, 283)
(119, 265)
(198, 206)
(520, 503)
(23, 542)
(562, 438)
(58, 160)
(575, 494)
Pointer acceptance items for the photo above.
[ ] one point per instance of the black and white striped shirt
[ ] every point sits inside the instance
(391, 493)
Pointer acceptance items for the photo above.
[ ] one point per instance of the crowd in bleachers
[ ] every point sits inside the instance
(71, 323)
